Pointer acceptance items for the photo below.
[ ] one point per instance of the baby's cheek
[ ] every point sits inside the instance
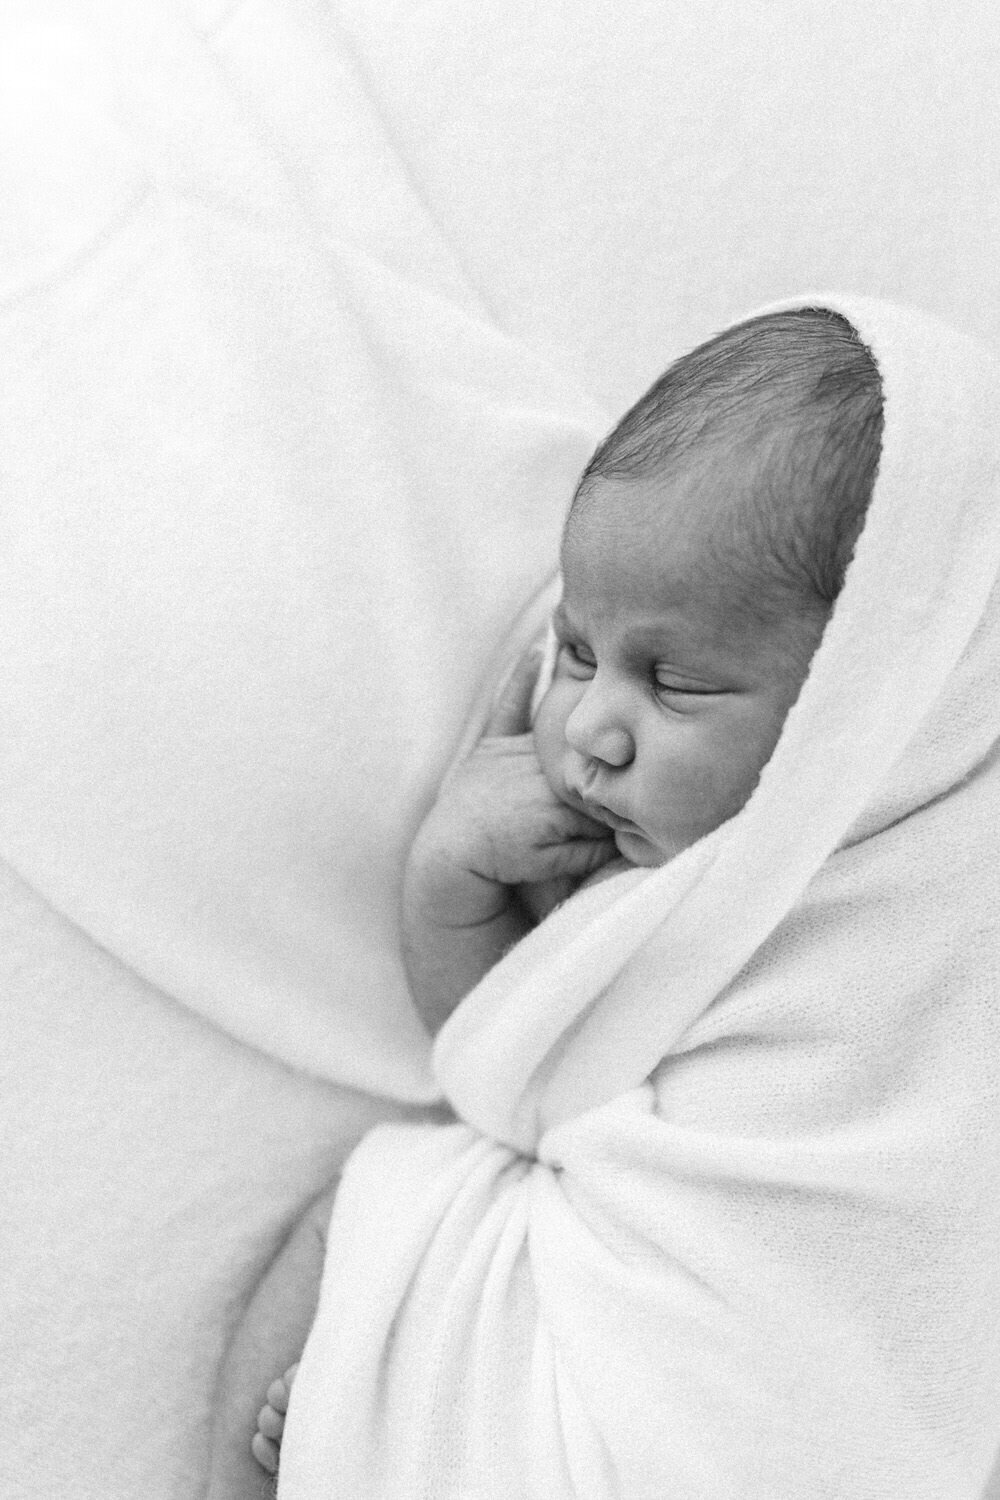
(726, 788)
(549, 738)
(690, 796)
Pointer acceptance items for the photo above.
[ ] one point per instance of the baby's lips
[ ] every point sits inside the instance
(592, 810)
(618, 824)
(605, 816)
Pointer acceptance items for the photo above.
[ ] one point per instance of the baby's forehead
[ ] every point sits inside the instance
(695, 537)
(621, 552)
(677, 509)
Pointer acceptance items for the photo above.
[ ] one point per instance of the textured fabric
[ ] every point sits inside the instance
(720, 1214)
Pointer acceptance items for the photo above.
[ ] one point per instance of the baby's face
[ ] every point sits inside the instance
(667, 699)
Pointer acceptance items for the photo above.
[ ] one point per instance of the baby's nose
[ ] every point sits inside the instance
(592, 731)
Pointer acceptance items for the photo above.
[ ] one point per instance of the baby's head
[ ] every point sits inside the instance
(705, 547)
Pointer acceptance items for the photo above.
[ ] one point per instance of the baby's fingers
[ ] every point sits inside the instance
(580, 857)
(510, 712)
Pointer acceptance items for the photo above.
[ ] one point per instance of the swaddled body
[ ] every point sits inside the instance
(720, 1209)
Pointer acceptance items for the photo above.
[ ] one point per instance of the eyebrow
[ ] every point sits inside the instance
(656, 638)
(655, 635)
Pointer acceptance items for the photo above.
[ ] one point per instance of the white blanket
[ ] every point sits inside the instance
(272, 482)
(720, 1214)
(183, 187)
(245, 591)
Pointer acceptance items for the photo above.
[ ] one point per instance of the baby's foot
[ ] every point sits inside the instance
(266, 1442)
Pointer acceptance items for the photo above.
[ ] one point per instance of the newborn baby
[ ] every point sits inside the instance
(705, 546)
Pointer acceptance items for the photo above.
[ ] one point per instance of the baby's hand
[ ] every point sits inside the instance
(496, 830)
(497, 823)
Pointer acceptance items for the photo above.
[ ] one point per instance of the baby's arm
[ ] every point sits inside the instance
(496, 826)
(269, 1338)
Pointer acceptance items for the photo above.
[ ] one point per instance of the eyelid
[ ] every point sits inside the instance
(666, 682)
(575, 650)
(690, 688)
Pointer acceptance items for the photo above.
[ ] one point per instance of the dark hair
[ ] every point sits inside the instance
(799, 395)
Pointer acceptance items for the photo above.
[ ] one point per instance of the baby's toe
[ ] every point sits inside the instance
(277, 1395)
(270, 1422)
(265, 1452)
(279, 1391)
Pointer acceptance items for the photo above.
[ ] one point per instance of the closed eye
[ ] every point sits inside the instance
(578, 658)
(673, 687)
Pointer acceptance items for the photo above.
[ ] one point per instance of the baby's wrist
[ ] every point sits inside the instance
(441, 889)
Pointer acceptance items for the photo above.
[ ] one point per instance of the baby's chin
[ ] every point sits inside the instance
(639, 849)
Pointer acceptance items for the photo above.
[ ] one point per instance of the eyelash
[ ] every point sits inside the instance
(572, 650)
(661, 689)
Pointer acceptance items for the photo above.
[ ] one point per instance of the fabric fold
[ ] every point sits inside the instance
(742, 1111)
(251, 446)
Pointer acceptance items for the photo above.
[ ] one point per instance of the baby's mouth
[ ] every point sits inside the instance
(602, 814)
(617, 824)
